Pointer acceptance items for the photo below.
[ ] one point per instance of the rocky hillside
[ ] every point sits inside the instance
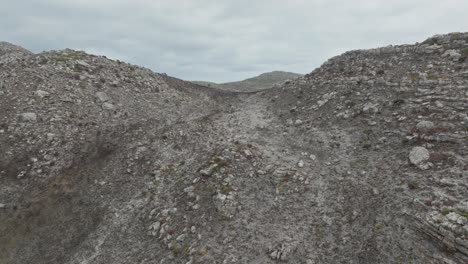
(260, 82)
(364, 160)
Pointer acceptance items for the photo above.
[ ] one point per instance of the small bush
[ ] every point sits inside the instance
(202, 251)
(377, 227)
(447, 211)
(67, 57)
(413, 185)
(430, 41)
(464, 52)
(226, 189)
(455, 36)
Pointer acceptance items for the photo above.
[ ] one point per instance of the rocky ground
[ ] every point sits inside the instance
(364, 160)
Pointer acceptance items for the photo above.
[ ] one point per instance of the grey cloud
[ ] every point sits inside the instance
(225, 40)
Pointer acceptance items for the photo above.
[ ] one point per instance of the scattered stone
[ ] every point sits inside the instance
(452, 54)
(103, 97)
(41, 93)
(210, 170)
(300, 164)
(28, 117)
(108, 106)
(418, 156)
(425, 125)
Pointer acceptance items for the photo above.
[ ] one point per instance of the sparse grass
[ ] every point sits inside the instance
(226, 189)
(430, 41)
(202, 251)
(413, 185)
(377, 227)
(447, 211)
(455, 36)
(413, 76)
(67, 57)
(432, 76)
(216, 168)
(464, 52)
(135, 75)
(221, 162)
(176, 249)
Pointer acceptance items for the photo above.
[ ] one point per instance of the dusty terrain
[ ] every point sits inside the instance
(364, 160)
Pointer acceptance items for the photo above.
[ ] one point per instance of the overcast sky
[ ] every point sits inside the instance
(220, 41)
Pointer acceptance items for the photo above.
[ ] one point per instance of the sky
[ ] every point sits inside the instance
(225, 40)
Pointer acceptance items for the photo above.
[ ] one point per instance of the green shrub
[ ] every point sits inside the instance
(226, 189)
(412, 185)
(447, 211)
(455, 36)
(464, 52)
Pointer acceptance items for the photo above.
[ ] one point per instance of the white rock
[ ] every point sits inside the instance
(370, 108)
(452, 54)
(312, 157)
(155, 226)
(108, 106)
(181, 237)
(425, 125)
(41, 93)
(439, 104)
(453, 217)
(221, 197)
(418, 155)
(300, 164)
(2, 206)
(103, 97)
(82, 63)
(28, 117)
(298, 122)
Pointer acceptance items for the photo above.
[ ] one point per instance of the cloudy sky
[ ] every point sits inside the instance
(225, 40)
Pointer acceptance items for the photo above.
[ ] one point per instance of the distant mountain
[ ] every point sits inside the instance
(260, 82)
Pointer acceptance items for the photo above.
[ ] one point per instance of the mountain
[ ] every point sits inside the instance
(260, 82)
(363, 160)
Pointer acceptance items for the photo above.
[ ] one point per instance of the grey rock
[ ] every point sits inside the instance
(108, 106)
(41, 93)
(425, 125)
(452, 54)
(28, 117)
(300, 164)
(209, 170)
(418, 155)
(103, 97)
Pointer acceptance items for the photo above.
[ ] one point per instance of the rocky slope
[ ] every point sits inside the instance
(257, 83)
(364, 160)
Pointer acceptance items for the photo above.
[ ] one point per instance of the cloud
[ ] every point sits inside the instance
(225, 40)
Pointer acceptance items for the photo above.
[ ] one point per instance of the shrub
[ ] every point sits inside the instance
(464, 52)
(455, 36)
(412, 185)
(447, 211)
(226, 189)
(377, 227)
